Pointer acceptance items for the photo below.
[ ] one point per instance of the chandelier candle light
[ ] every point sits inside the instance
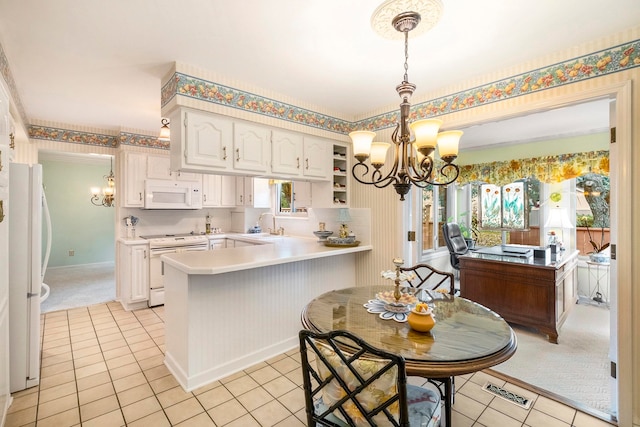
(107, 192)
(414, 158)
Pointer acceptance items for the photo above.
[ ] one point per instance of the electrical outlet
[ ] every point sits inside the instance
(72, 252)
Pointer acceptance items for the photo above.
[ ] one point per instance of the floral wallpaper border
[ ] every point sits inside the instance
(603, 62)
(607, 61)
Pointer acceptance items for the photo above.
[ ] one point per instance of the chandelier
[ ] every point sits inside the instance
(415, 143)
(107, 192)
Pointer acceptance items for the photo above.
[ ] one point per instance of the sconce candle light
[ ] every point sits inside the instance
(413, 159)
(165, 132)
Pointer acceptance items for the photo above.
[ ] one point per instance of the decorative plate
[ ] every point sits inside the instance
(399, 313)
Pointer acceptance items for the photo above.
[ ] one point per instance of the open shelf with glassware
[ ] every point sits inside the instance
(340, 174)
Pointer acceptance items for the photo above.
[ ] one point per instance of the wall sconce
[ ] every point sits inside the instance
(107, 193)
(165, 132)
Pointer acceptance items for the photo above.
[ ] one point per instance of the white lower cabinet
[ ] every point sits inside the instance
(133, 275)
(217, 244)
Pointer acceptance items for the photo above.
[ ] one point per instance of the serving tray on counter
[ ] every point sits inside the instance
(342, 245)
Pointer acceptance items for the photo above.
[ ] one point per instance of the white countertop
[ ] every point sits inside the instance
(279, 251)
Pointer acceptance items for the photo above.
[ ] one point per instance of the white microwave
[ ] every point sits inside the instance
(166, 194)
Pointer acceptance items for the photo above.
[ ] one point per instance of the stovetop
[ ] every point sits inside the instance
(163, 236)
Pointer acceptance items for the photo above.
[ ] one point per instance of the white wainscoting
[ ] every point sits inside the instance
(216, 325)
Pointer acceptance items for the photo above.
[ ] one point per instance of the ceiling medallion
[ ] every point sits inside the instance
(430, 12)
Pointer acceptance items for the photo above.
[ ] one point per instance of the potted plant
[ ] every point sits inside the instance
(470, 234)
(599, 253)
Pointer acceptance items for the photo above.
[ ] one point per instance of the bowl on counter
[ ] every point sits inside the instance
(341, 240)
(322, 235)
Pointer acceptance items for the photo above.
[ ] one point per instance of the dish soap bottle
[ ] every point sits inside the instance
(207, 225)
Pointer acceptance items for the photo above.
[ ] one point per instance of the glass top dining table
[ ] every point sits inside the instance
(467, 336)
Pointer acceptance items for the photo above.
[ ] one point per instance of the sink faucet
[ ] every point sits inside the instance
(272, 231)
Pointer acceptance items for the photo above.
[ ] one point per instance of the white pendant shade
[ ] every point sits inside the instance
(362, 140)
(379, 152)
(448, 143)
(426, 132)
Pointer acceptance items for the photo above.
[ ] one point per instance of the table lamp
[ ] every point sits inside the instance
(558, 219)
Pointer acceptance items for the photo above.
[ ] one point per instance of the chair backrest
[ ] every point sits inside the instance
(455, 242)
(352, 383)
(427, 277)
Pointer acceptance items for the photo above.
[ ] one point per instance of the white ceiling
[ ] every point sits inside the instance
(100, 63)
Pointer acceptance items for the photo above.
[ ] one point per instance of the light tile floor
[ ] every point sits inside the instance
(103, 366)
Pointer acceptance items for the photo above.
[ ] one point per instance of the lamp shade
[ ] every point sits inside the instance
(379, 153)
(362, 140)
(426, 132)
(448, 143)
(343, 215)
(558, 218)
(165, 132)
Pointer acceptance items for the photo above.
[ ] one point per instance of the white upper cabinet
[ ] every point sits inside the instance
(135, 172)
(299, 156)
(316, 157)
(286, 153)
(218, 190)
(200, 141)
(253, 192)
(251, 147)
(159, 167)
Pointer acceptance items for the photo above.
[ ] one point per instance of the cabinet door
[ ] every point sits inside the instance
(211, 190)
(242, 195)
(135, 171)
(316, 157)
(187, 176)
(286, 153)
(139, 273)
(250, 147)
(208, 140)
(159, 167)
(261, 193)
(227, 190)
(301, 195)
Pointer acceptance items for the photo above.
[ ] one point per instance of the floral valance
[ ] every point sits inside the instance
(548, 169)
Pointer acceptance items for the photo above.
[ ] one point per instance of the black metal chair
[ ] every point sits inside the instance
(455, 243)
(427, 277)
(355, 384)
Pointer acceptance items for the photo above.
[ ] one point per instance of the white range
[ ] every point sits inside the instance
(168, 244)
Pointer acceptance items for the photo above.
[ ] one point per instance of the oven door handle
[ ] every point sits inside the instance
(158, 252)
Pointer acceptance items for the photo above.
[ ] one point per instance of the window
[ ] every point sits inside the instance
(293, 197)
(434, 214)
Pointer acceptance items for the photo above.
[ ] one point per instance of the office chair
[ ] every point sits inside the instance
(455, 243)
(347, 382)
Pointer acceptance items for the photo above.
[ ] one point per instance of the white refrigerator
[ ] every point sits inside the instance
(26, 271)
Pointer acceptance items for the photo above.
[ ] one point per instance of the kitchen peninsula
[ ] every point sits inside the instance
(525, 290)
(226, 310)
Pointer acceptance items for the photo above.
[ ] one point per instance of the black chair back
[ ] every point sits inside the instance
(455, 243)
(428, 277)
(345, 367)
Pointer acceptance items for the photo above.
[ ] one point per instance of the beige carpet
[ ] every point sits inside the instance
(79, 286)
(577, 368)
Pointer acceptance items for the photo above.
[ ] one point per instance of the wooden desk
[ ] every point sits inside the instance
(467, 337)
(525, 291)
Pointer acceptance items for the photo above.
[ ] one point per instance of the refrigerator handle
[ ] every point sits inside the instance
(32, 294)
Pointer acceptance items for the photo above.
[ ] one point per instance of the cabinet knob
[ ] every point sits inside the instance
(298, 162)
(224, 153)
(237, 154)
(140, 195)
(307, 163)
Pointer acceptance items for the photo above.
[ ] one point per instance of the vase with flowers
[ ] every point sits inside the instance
(600, 251)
